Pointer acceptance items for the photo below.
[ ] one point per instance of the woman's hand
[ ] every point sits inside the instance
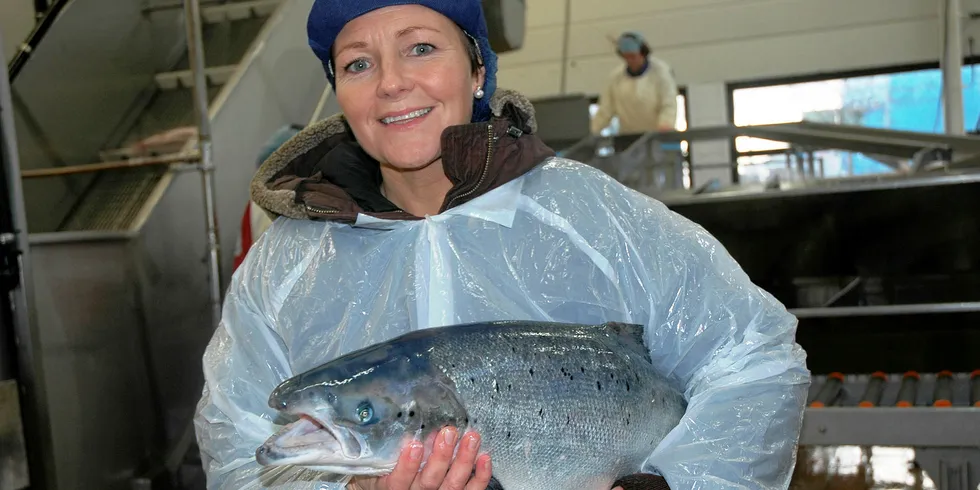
(441, 472)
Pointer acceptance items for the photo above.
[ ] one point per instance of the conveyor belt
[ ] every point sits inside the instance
(898, 409)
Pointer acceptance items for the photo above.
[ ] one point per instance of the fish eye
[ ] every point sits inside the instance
(364, 412)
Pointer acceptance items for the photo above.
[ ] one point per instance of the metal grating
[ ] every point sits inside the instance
(114, 200)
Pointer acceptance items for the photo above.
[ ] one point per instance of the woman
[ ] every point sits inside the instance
(430, 201)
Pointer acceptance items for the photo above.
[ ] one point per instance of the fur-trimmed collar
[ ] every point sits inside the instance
(322, 174)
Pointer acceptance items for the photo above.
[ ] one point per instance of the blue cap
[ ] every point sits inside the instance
(630, 42)
(328, 17)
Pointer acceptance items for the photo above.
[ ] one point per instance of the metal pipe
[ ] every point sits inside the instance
(840, 294)
(186, 157)
(174, 6)
(40, 7)
(30, 369)
(952, 64)
(321, 104)
(881, 310)
(44, 21)
(566, 40)
(195, 51)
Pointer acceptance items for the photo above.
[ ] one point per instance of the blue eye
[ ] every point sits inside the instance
(357, 66)
(422, 49)
(364, 413)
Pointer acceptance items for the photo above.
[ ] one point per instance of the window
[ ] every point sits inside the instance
(908, 101)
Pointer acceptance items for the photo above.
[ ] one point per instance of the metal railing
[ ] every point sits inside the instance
(906, 153)
(47, 14)
(199, 159)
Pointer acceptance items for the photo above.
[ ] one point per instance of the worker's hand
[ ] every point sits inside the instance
(441, 471)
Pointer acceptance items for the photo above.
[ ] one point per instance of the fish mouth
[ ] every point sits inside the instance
(312, 442)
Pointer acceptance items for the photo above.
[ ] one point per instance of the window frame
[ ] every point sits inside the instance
(732, 86)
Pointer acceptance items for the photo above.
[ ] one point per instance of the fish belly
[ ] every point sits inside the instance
(559, 414)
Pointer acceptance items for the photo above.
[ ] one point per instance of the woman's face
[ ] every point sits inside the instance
(403, 75)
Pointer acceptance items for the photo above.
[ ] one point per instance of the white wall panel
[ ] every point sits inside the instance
(588, 10)
(547, 44)
(728, 40)
(779, 56)
(537, 80)
(542, 13)
(746, 21)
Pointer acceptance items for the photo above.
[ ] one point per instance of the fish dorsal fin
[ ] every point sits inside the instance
(630, 336)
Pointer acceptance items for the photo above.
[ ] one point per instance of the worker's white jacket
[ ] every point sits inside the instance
(642, 104)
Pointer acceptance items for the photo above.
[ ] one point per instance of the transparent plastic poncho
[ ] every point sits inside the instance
(562, 243)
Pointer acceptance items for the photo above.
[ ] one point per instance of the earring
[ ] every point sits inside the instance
(479, 93)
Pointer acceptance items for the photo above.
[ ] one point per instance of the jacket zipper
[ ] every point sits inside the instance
(324, 211)
(486, 167)
(316, 210)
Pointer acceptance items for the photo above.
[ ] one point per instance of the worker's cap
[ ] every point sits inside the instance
(630, 42)
(328, 17)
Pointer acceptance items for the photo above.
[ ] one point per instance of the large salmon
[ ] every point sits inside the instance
(559, 406)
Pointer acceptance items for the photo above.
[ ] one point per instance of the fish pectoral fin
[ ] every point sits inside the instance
(439, 402)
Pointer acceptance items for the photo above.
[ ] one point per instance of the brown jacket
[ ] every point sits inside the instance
(323, 174)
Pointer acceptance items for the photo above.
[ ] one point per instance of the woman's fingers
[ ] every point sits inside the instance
(462, 468)
(481, 479)
(406, 469)
(438, 462)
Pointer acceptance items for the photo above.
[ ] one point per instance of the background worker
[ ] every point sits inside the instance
(642, 96)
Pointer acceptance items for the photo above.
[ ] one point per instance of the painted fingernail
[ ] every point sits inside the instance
(474, 441)
(416, 453)
(449, 435)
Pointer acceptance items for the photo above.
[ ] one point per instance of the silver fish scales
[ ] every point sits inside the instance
(557, 405)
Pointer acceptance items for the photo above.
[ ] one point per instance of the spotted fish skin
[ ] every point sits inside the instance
(559, 405)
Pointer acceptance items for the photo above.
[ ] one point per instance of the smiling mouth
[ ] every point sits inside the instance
(406, 117)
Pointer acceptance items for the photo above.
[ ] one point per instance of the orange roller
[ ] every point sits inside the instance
(829, 392)
(907, 391)
(872, 394)
(975, 388)
(943, 394)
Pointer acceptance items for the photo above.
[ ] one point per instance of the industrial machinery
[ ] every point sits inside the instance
(137, 128)
(129, 260)
(882, 272)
